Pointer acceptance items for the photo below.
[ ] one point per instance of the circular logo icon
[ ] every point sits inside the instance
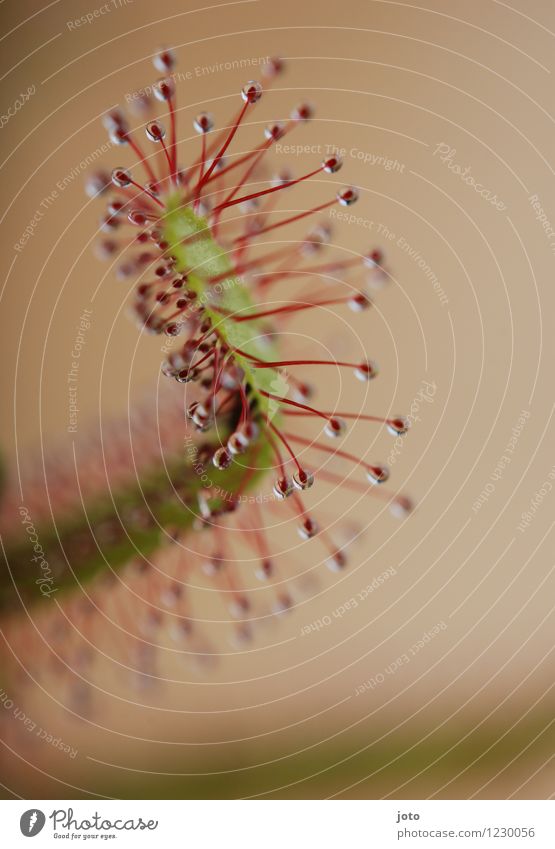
(32, 822)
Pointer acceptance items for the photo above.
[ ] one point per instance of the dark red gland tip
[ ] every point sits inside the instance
(164, 60)
(373, 259)
(302, 112)
(332, 164)
(203, 123)
(347, 196)
(360, 302)
(308, 529)
(273, 67)
(164, 89)
(251, 92)
(265, 570)
(398, 426)
(366, 371)
(335, 427)
(155, 131)
(303, 479)
(337, 561)
(283, 487)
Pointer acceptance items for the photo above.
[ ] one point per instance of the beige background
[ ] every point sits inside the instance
(389, 79)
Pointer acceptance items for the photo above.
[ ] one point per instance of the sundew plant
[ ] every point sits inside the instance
(240, 425)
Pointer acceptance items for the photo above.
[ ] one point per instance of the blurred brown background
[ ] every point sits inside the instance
(471, 712)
